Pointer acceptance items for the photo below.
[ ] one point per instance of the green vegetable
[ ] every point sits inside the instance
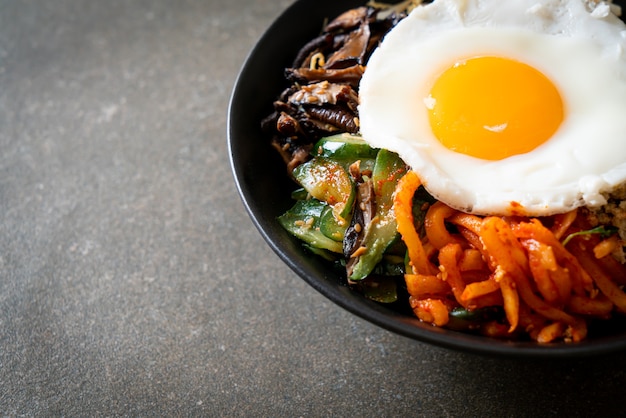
(382, 230)
(474, 315)
(422, 200)
(325, 254)
(300, 194)
(344, 147)
(327, 180)
(462, 319)
(331, 227)
(601, 230)
(303, 221)
(379, 288)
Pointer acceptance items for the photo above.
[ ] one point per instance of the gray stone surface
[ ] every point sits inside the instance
(131, 279)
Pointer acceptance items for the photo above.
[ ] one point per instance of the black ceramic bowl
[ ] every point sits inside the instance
(265, 189)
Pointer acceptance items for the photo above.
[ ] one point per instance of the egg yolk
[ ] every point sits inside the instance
(493, 108)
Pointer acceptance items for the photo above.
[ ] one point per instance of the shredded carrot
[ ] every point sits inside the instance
(421, 285)
(472, 223)
(403, 208)
(581, 281)
(511, 300)
(602, 280)
(562, 222)
(540, 269)
(476, 289)
(599, 307)
(449, 257)
(551, 332)
(548, 292)
(471, 259)
(433, 311)
(606, 247)
(434, 223)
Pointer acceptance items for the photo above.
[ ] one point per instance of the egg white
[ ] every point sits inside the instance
(581, 54)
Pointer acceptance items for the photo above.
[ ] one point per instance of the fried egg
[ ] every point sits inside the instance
(503, 106)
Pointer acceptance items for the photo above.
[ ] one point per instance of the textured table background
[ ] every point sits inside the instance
(131, 280)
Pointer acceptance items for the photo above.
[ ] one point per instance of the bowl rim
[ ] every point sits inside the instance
(368, 310)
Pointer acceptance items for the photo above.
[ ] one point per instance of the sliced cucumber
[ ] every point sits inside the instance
(303, 221)
(382, 289)
(331, 227)
(344, 147)
(328, 181)
(300, 194)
